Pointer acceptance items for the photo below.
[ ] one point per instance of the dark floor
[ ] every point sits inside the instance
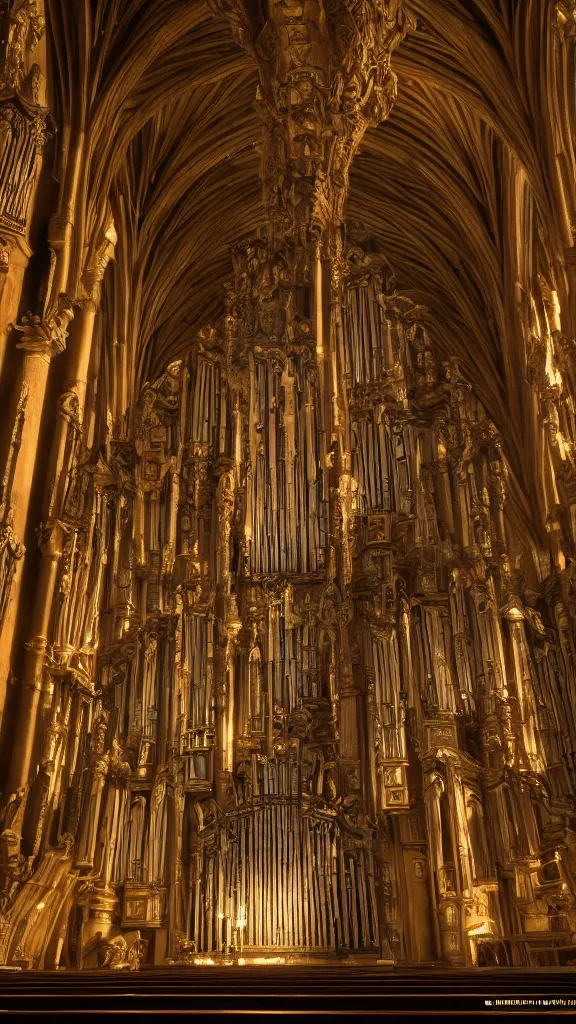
(260, 992)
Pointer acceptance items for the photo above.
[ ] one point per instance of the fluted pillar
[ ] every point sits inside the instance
(31, 683)
(41, 341)
(71, 401)
(71, 410)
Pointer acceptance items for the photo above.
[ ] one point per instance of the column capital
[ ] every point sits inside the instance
(46, 336)
(101, 254)
(14, 251)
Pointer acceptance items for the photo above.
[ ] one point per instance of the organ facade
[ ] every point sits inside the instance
(289, 666)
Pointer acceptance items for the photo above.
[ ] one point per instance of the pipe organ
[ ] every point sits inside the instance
(328, 705)
(299, 679)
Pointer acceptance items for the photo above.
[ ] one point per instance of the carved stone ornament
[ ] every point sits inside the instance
(46, 336)
(325, 78)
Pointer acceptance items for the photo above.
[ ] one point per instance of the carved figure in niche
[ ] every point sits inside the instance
(271, 316)
(144, 758)
(352, 810)
(6, 130)
(200, 766)
(330, 789)
(12, 807)
(225, 503)
(99, 731)
(31, 85)
(11, 551)
(433, 796)
(255, 682)
(117, 765)
(15, 868)
(353, 778)
(26, 28)
(451, 915)
(111, 954)
(137, 953)
(169, 383)
(298, 723)
(329, 605)
(6, 245)
(353, 84)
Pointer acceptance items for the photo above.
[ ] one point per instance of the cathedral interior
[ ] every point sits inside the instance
(287, 483)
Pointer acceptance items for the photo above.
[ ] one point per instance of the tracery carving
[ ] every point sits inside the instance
(325, 78)
(25, 125)
(23, 28)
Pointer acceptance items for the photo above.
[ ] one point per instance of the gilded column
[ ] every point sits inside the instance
(40, 342)
(72, 400)
(42, 339)
(31, 684)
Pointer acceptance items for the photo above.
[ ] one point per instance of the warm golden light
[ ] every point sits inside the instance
(295, 632)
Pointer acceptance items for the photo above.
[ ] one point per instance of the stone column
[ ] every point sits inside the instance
(70, 403)
(32, 674)
(99, 907)
(41, 340)
(90, 819)
(72, 400)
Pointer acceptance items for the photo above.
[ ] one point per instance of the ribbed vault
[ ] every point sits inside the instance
(172, 128)
(468, 156)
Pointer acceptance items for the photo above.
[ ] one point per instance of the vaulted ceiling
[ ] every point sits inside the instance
(469, 186)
